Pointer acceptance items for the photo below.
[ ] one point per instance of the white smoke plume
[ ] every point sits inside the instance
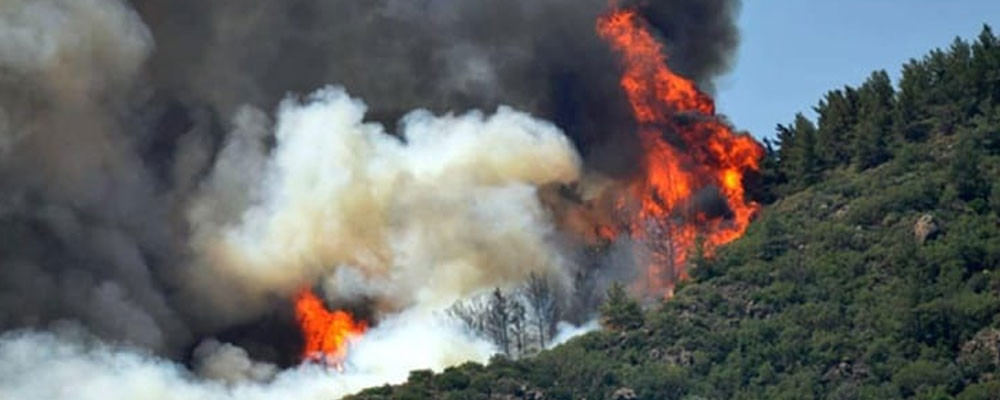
(566, 331)
(69, 365)
(445, 209)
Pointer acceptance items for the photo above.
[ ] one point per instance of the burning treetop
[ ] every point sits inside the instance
(706, 154)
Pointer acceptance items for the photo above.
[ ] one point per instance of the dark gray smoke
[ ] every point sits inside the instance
(445, 55)
(112, 113)
(85, 233)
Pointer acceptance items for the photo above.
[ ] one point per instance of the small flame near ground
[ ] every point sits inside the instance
(706, 153)
(327, 334)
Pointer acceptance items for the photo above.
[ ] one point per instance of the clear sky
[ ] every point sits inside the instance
(793, 51)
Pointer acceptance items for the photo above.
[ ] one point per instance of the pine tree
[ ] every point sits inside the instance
(771, 174)
(985, 64)
(785, 142)
(837, 119)
(806, 162)
(877, 100)
(965, 174)
(911, 120)
(619, 311)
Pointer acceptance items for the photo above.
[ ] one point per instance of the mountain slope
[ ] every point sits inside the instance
(874, 274)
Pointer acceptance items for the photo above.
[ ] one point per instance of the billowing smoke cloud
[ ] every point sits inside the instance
(149, 194)
(80, 220)
(443, 210)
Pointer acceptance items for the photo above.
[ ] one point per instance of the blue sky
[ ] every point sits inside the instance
(793, 51)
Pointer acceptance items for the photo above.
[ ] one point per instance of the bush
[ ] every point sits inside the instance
(981, 391)
(453, 379)
(920, 374)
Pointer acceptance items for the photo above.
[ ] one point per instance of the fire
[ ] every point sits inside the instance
(707, 154)
(327, 334)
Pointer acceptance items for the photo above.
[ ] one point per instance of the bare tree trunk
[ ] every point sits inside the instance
(544, 307)
(499, 320)
(663, 254)
(517, 314)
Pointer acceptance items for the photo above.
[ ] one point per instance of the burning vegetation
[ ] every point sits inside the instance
(326, 334)
(687, 195)
(691, 182)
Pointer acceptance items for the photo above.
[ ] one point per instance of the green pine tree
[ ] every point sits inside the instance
(871, 139)
(806, 162)
(620, 311)
(965, 174)
(837, 118)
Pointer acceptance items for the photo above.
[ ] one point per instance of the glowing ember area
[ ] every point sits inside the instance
(327, 334)
(703, 155)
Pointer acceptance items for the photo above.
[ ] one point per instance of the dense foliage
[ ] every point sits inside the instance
(872, 275)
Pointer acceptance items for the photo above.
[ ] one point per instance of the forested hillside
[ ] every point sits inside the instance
(873, 272)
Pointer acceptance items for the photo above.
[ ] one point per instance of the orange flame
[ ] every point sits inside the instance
(327, 334)
(707, 153)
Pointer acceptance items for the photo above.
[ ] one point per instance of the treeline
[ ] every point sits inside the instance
(866, 126)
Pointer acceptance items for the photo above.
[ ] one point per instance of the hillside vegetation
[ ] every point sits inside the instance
(872, 274)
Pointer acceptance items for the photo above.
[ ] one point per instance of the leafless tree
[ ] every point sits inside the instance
(472, 313)
(544, 305)
(518, 321)
(498, 320)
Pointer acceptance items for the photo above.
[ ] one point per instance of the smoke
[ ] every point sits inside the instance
(149, 195)
(80, 220)
(566, 331)
(71, 365)
(229, 363)
(445, 209)
(443, 55)
(699, 36)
